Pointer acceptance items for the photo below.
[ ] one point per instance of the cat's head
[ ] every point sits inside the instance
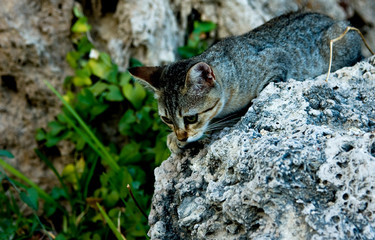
(188, 95)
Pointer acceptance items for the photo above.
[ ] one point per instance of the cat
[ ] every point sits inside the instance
(223, 80)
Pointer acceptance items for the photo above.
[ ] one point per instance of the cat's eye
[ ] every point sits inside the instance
(191, 119)
(166, 120)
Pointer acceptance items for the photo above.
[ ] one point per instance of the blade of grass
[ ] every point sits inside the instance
(50, 165)
(18, 174)
(111, 162)
(89, 176)
(26, 202)
(85, 137)
(6, 153)
(111, 225)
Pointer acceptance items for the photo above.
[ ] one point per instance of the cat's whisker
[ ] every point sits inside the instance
(216, 128)
(231, 117)
(223, 123)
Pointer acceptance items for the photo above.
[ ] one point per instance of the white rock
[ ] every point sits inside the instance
(293, 182)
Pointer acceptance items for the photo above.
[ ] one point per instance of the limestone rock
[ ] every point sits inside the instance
(149, 29)
(152, 31)
(362, 8)
(299, 165)
(34, 39)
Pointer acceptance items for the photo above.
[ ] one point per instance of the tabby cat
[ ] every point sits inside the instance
(194, 93)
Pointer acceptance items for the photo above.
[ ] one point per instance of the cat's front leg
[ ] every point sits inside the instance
(173, 144)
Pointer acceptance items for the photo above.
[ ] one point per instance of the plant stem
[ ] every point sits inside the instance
(112, 226)
(18, 174)
(111, 162)
(135, 201)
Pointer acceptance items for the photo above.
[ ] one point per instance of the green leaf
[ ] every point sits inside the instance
(125, 124)
(81, 25)
(30, 198)
(72, 58)
(111, 199)
(98, 88)
(134, 93)
(114, 94)
(69, 97)
(82, 81)
(69, 173)
(40, 135)
(130, 153)
(52, 140)
(57, 193)
(119, 179)
(144, 119)
(161, 150)
(106, 59)
(54, 170)
(194, 40)
(112, 75)
(88, 104)
(124, 78)
(84, 46)
(82, 77)
(50, 208)
(85, 99)
(60, 237)
(98, 109)
(139, 176)
(111, 225)
(62, 118)
(56, 127)
(113, 213)
(99, 68)
(203, 27)
(5, 153)
(78, 140)
(135, 63)
(187, 52)
(18, 174)
(77, 12)
(67, 82)
(90, 235)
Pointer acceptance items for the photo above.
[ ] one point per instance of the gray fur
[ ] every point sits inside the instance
(295, 46)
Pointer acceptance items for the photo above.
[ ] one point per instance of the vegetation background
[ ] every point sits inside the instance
(76, 129)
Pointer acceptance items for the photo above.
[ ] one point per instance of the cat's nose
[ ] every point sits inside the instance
(182, 136)
(182, 139)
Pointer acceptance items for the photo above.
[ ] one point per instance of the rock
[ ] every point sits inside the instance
(34, 39)
(299, 165)
(361, 9)
(151, 31)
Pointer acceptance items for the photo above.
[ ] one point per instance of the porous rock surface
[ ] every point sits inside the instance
(299, 165)
(152, 30)
(34, 39)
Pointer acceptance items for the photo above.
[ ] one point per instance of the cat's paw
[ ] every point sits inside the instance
(174, 145)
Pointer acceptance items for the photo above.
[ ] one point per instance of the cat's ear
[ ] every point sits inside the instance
(200, 77)
(148, 76)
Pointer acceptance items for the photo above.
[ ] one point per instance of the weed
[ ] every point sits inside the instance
(92, 200)
(198, 39)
